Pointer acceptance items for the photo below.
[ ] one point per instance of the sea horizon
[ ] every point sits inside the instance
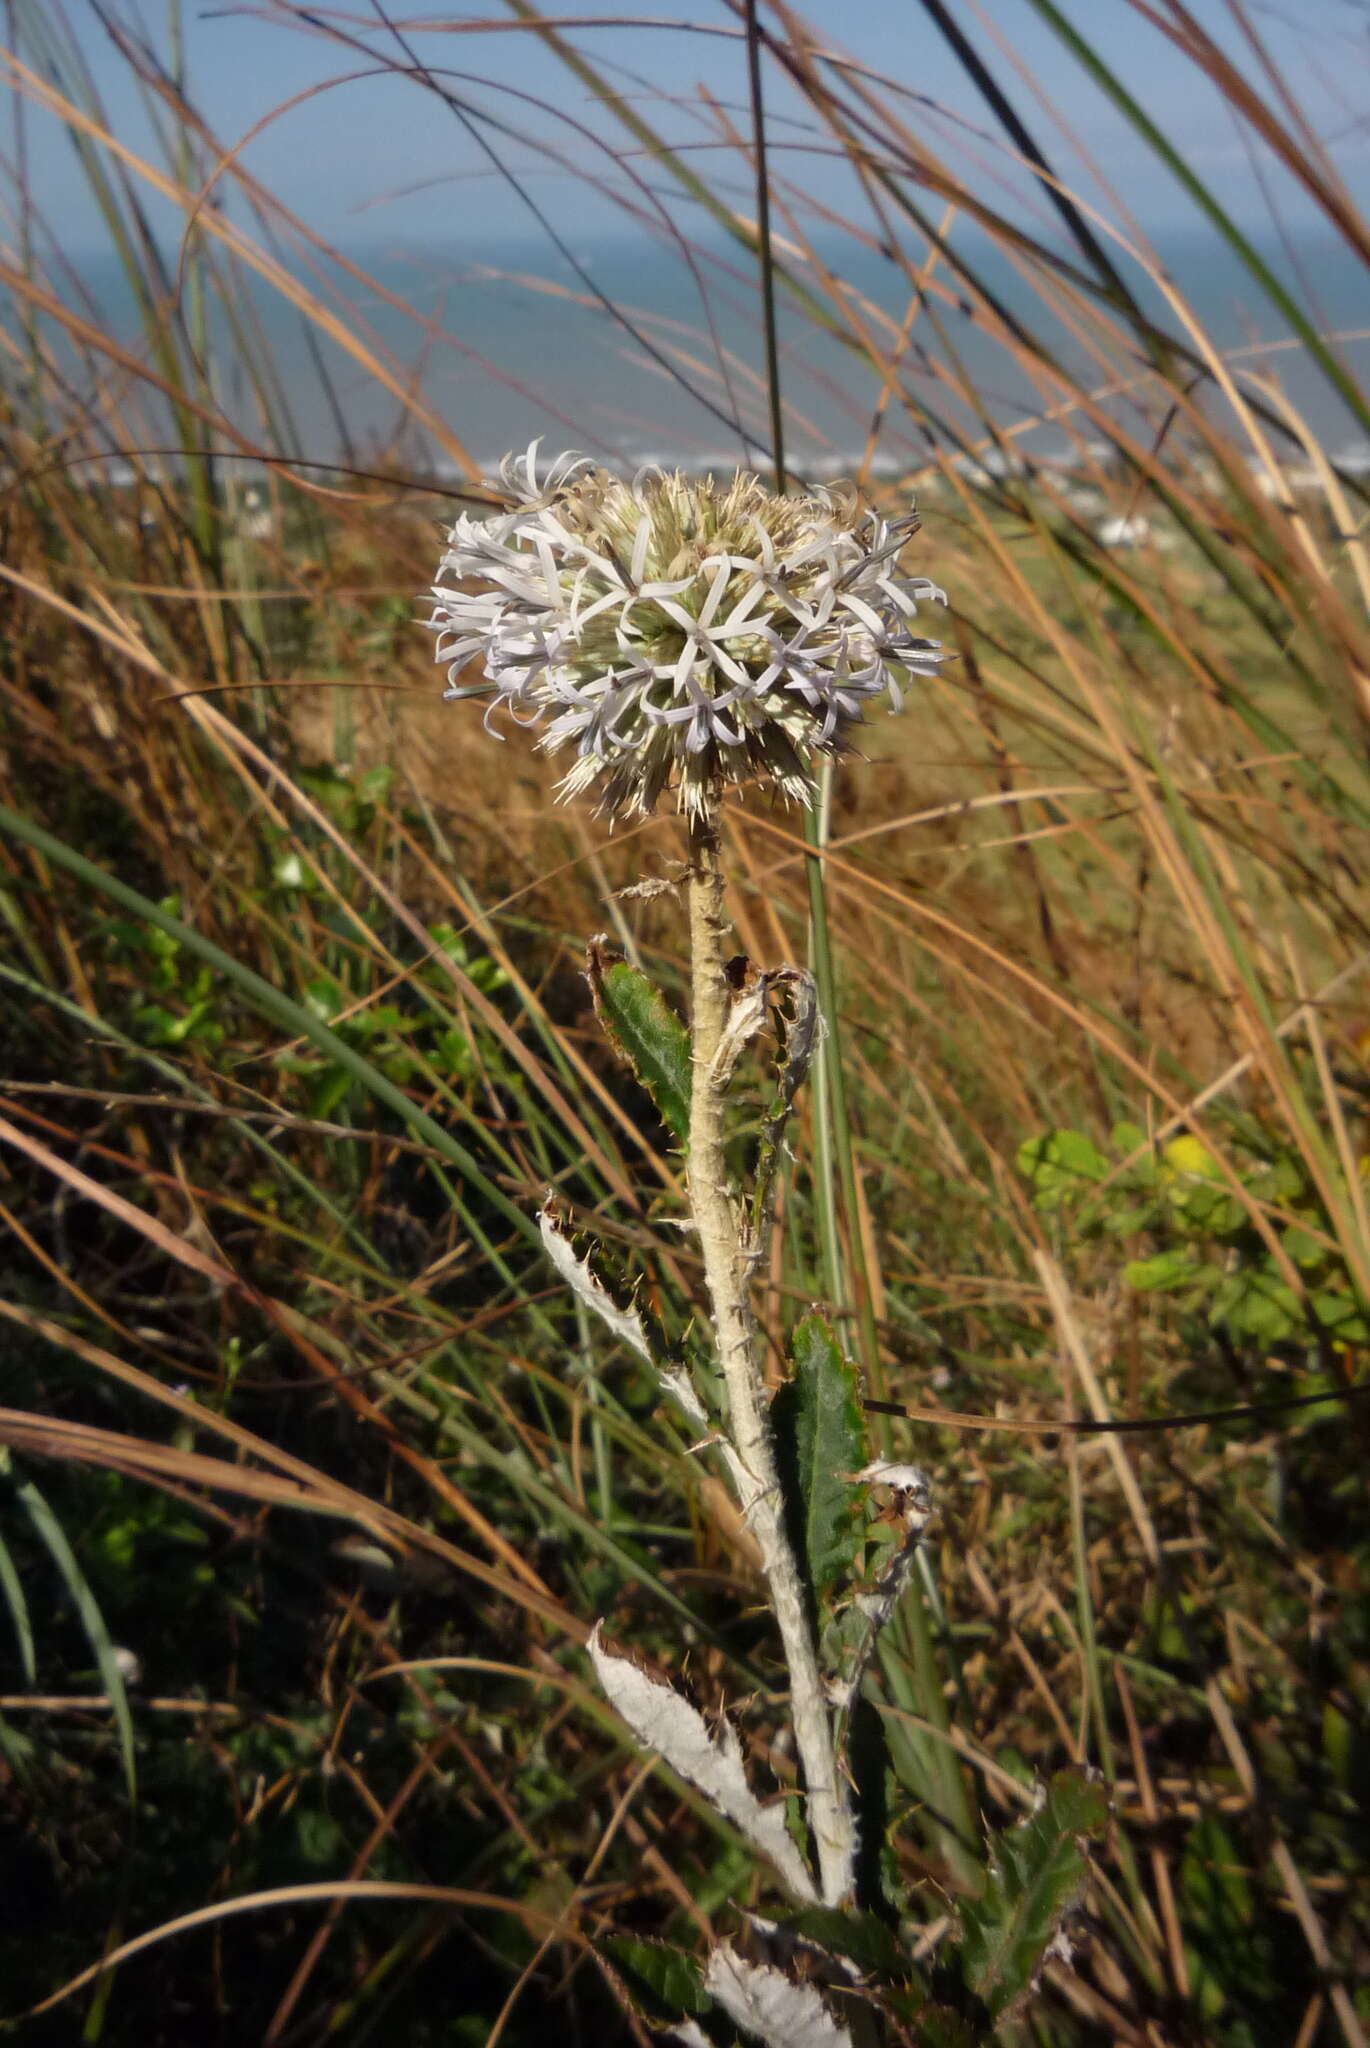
(516, 344)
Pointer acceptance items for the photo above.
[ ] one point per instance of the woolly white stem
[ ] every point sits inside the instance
(719, 1223)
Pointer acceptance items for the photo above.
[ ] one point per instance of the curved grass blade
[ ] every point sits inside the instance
(54, 1540)
(12, 1588)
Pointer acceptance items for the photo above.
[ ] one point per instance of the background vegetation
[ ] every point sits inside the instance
(314, 1480)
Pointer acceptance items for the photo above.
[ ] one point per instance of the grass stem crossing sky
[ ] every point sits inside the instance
(347, 129)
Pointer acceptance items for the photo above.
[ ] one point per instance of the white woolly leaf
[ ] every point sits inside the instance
(767, 2003)
(712, 1763)
(625, 1323)
(677, 1384)
(745, 1019)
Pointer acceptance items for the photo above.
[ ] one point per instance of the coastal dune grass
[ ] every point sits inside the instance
(315, 1480)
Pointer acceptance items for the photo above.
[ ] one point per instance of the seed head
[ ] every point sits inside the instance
(677, 632)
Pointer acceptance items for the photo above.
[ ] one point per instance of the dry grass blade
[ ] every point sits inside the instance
(1076, 1350)
(449, 1896)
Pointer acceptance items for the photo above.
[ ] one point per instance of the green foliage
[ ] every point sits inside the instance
(181, 998)
(863, 1938)
(648, 1036)
(1033, 1876)
(668, 1981)
(821, 1443)
(1211, 1259)
(255, 990)
(1061, 1165)
(1235, 1972)
(409, 1045)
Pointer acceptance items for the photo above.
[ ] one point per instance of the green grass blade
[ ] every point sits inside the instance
(54, 1540)
(12, 1588)
(259, 993)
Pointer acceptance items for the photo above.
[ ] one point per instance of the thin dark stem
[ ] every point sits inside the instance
(1054, 190)
(763, 247)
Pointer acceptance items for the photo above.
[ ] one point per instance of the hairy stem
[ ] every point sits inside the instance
(727, 1268)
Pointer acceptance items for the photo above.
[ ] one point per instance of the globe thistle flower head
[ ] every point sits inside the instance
(679, 633)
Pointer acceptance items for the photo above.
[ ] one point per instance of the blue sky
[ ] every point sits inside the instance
(376, 164)
(377, 159)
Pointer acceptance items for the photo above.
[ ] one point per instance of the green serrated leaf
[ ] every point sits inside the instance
(667, 1979)
(820, 1441)
(647, 1034)
(1034, 1874)
(863, 1938)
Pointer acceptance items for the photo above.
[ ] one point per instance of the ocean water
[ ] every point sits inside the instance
(502, 344)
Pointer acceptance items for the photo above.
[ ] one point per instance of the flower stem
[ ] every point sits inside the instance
(727, 1274)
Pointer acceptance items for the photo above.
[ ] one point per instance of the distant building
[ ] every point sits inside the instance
(1124, 533)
